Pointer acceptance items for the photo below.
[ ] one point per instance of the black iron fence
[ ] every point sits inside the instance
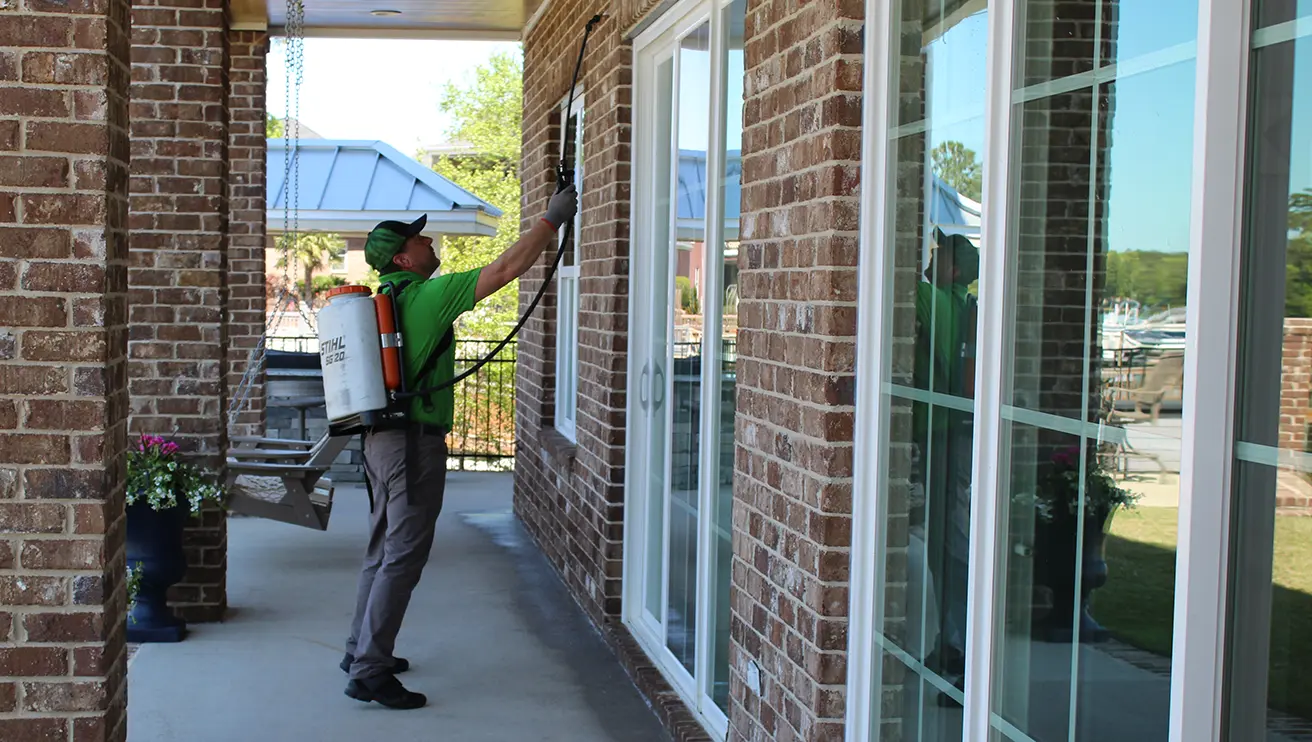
(483, 436)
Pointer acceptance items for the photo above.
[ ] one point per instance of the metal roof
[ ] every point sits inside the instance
(352, 185)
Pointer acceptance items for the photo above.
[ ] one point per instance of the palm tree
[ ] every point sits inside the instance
(312, 251)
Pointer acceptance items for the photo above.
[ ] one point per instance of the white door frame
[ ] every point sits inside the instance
(1207, 448)
(659, 41)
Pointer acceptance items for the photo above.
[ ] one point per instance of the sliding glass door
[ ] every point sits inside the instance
(1084, 373)
(688, 109)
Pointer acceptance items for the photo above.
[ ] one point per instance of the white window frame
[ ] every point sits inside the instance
(567, 288)
(680, 19)
(1207, 447)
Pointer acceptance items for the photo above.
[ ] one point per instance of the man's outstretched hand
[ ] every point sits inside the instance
(521, 256)
(563, 206)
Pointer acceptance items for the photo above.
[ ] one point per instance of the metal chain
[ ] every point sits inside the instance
(293, 68)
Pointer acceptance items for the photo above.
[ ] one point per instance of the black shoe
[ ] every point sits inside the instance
(399, 665)
(386, 690)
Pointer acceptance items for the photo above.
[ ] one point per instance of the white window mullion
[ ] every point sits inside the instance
(994, 322)
(864, 660)
(708, 466)
(1211, 336)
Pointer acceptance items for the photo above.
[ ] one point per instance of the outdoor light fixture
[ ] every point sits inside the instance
(384, 13)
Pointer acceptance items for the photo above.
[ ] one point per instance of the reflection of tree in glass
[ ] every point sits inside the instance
(1298, 260)
(1152, 278)
(960, 168)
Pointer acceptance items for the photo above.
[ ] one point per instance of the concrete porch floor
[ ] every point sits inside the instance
(495, 641)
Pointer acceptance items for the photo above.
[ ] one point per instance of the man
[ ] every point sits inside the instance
(945, 364)
(407, 468)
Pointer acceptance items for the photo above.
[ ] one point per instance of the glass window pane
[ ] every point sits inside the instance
(654, 374)
(1064, 38)
(1100, 219)
(1269, 13)
(933, 261)
(1269, 689)
(694, 126)
(726, 295)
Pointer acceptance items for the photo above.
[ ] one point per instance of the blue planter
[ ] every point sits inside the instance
(155, 550)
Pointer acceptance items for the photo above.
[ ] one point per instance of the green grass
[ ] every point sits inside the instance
(1136, 604)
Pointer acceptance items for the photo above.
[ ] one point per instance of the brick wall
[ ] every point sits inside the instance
(571, 496)
(797, 321)
(246, 228)
(179, 221)
(63, 389)
(1294, 492)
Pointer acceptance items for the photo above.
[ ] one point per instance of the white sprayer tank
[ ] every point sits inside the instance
(351, 354)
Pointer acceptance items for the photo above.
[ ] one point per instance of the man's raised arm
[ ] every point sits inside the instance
(521, 256)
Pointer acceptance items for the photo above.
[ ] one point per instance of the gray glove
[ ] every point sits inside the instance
(562, 206)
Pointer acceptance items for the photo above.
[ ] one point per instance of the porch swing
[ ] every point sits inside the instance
(276, 478)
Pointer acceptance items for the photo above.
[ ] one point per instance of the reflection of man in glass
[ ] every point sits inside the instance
(945, 365)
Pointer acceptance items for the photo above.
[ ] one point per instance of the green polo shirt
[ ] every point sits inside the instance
(428, 308)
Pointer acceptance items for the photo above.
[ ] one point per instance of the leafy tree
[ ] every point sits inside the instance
(960, 168)
(486, 112)
(1152, 278)
(273, 127)
(311, 251)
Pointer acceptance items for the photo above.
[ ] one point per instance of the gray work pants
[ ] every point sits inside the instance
(400, 537)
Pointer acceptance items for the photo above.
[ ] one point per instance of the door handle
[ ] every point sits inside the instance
(642, 385)
(658, 387)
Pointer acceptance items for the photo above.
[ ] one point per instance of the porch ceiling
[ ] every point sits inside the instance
(436, 19)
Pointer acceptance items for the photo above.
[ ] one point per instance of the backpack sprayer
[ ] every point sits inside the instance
(360, 339)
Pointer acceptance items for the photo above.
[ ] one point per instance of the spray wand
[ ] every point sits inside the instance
(564, 177)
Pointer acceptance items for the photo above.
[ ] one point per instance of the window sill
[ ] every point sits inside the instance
(557, 451)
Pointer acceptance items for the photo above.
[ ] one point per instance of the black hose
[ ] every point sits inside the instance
(564, 177)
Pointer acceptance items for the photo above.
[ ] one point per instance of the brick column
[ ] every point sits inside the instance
(63, 389)
(179, 220)
(246, 227)
(796, 344)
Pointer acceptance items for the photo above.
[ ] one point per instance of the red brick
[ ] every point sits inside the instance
(33, 380)
(64, 696)
(64, 68)
(67, 278)
(63, 346)
(64, 209)
(8, 697)
(32, 517)
(28, 590)
(33, 311)
(6, 625)
(34, 31)
(89, 519)
(35, 102)
(46, 414)
(33, 729)
(64, 484)
(62, 554)
(87, 139)
(64, 627)
(29, 243)
(33, 661)
(20, 448)
(90, 662)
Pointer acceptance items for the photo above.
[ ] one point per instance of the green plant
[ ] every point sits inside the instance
(159, 477)
(1058, 488)
(325, 283)
(134, 587)
(687, 295)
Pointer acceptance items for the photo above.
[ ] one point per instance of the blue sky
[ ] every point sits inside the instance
(346, 83)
